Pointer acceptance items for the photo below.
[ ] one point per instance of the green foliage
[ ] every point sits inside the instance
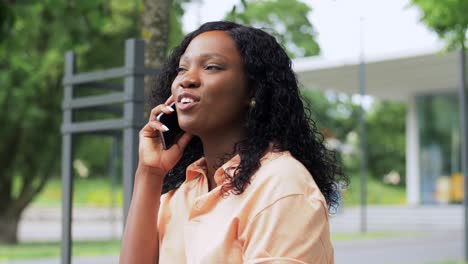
(6, 20)
(439, 129)
(175, 33)
(88, 192)
(448, 19)
(335, 113)
(386, 126)
(31, 70)
(337, 116)
(378, 193)
(285, 19)
(95, 153)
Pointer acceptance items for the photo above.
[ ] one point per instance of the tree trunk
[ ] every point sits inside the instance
(156, 33)
(8, 227)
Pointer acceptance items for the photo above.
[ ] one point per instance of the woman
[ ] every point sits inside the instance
(250, 180)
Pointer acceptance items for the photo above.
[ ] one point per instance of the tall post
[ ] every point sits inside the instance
(363, 134)
(67, 169)
(133, 114)
(113, 173)
(464, 138)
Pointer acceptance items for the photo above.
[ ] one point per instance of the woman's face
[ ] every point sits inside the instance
(210, 89)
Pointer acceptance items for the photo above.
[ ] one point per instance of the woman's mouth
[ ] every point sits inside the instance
(186, 101)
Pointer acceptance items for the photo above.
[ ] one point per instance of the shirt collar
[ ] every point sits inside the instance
(199, 167)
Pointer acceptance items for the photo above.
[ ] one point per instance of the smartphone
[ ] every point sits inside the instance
(170, 137)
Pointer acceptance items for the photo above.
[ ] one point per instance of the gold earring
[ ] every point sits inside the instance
(252, 103)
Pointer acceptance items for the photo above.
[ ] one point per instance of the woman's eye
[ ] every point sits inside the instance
(213, 68)
(180, 69)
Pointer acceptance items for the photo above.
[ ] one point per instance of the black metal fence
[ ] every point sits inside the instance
(126, 98)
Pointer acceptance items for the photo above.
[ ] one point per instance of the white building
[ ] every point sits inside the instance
(428, 82)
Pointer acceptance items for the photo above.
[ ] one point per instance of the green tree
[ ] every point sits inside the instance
(386, 126)
(31, 69)
(155, 30)
(33, 39)
(448, 19)
(337, 116)
(286, 19)
(94, 151)
(335, 113)
(175, 23)
(162, 30)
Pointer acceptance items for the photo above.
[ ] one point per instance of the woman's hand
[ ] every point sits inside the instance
(140, 240)
(151, 152)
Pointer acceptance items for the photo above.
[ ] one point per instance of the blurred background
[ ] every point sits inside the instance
(381, 78)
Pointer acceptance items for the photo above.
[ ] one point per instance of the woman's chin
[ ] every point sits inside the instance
(189, 128)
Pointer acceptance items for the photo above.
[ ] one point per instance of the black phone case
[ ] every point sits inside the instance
(170, 120)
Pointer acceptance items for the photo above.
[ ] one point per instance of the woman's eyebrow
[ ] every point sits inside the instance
(204, 56)
(211, 55)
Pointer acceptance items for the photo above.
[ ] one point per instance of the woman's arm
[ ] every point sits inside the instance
(140, 239)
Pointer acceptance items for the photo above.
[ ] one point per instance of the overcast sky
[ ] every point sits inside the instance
(390, 27)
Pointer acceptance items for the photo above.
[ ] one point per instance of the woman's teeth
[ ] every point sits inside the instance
(186, 100)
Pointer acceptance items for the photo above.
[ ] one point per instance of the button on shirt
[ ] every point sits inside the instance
(281, 217)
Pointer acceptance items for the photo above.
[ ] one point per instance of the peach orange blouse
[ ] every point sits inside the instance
(281, 217)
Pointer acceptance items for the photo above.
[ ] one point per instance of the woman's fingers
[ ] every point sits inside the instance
(156, 125)
(152, 127)
(160, 109)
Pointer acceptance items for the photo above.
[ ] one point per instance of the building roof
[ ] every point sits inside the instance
(396, 77)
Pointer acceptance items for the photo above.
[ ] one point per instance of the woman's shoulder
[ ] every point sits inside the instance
(282, 166)
(280, 159)
(282, 174)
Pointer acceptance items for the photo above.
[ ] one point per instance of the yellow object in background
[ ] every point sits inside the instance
(456, 188)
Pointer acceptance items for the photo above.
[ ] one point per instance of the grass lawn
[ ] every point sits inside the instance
(96, 192)
(372, 235)
(52, 249)
(112, 247)
(92, 192)
(449, 262)
(377, 193)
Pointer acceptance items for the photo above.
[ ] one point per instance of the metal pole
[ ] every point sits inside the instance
(133, 115)
(113, 175)
(67, 169)
(464, 138)
(363, 137)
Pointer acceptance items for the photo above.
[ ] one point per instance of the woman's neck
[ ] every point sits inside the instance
(215, 148)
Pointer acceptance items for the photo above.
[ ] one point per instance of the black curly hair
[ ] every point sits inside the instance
(280, 116)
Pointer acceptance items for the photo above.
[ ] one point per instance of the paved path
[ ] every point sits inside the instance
(44, 224)
(440, 227)
(421, 249)
(428, 218)
(429, 248)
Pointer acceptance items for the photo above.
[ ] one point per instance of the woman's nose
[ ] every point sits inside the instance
(190, 80)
